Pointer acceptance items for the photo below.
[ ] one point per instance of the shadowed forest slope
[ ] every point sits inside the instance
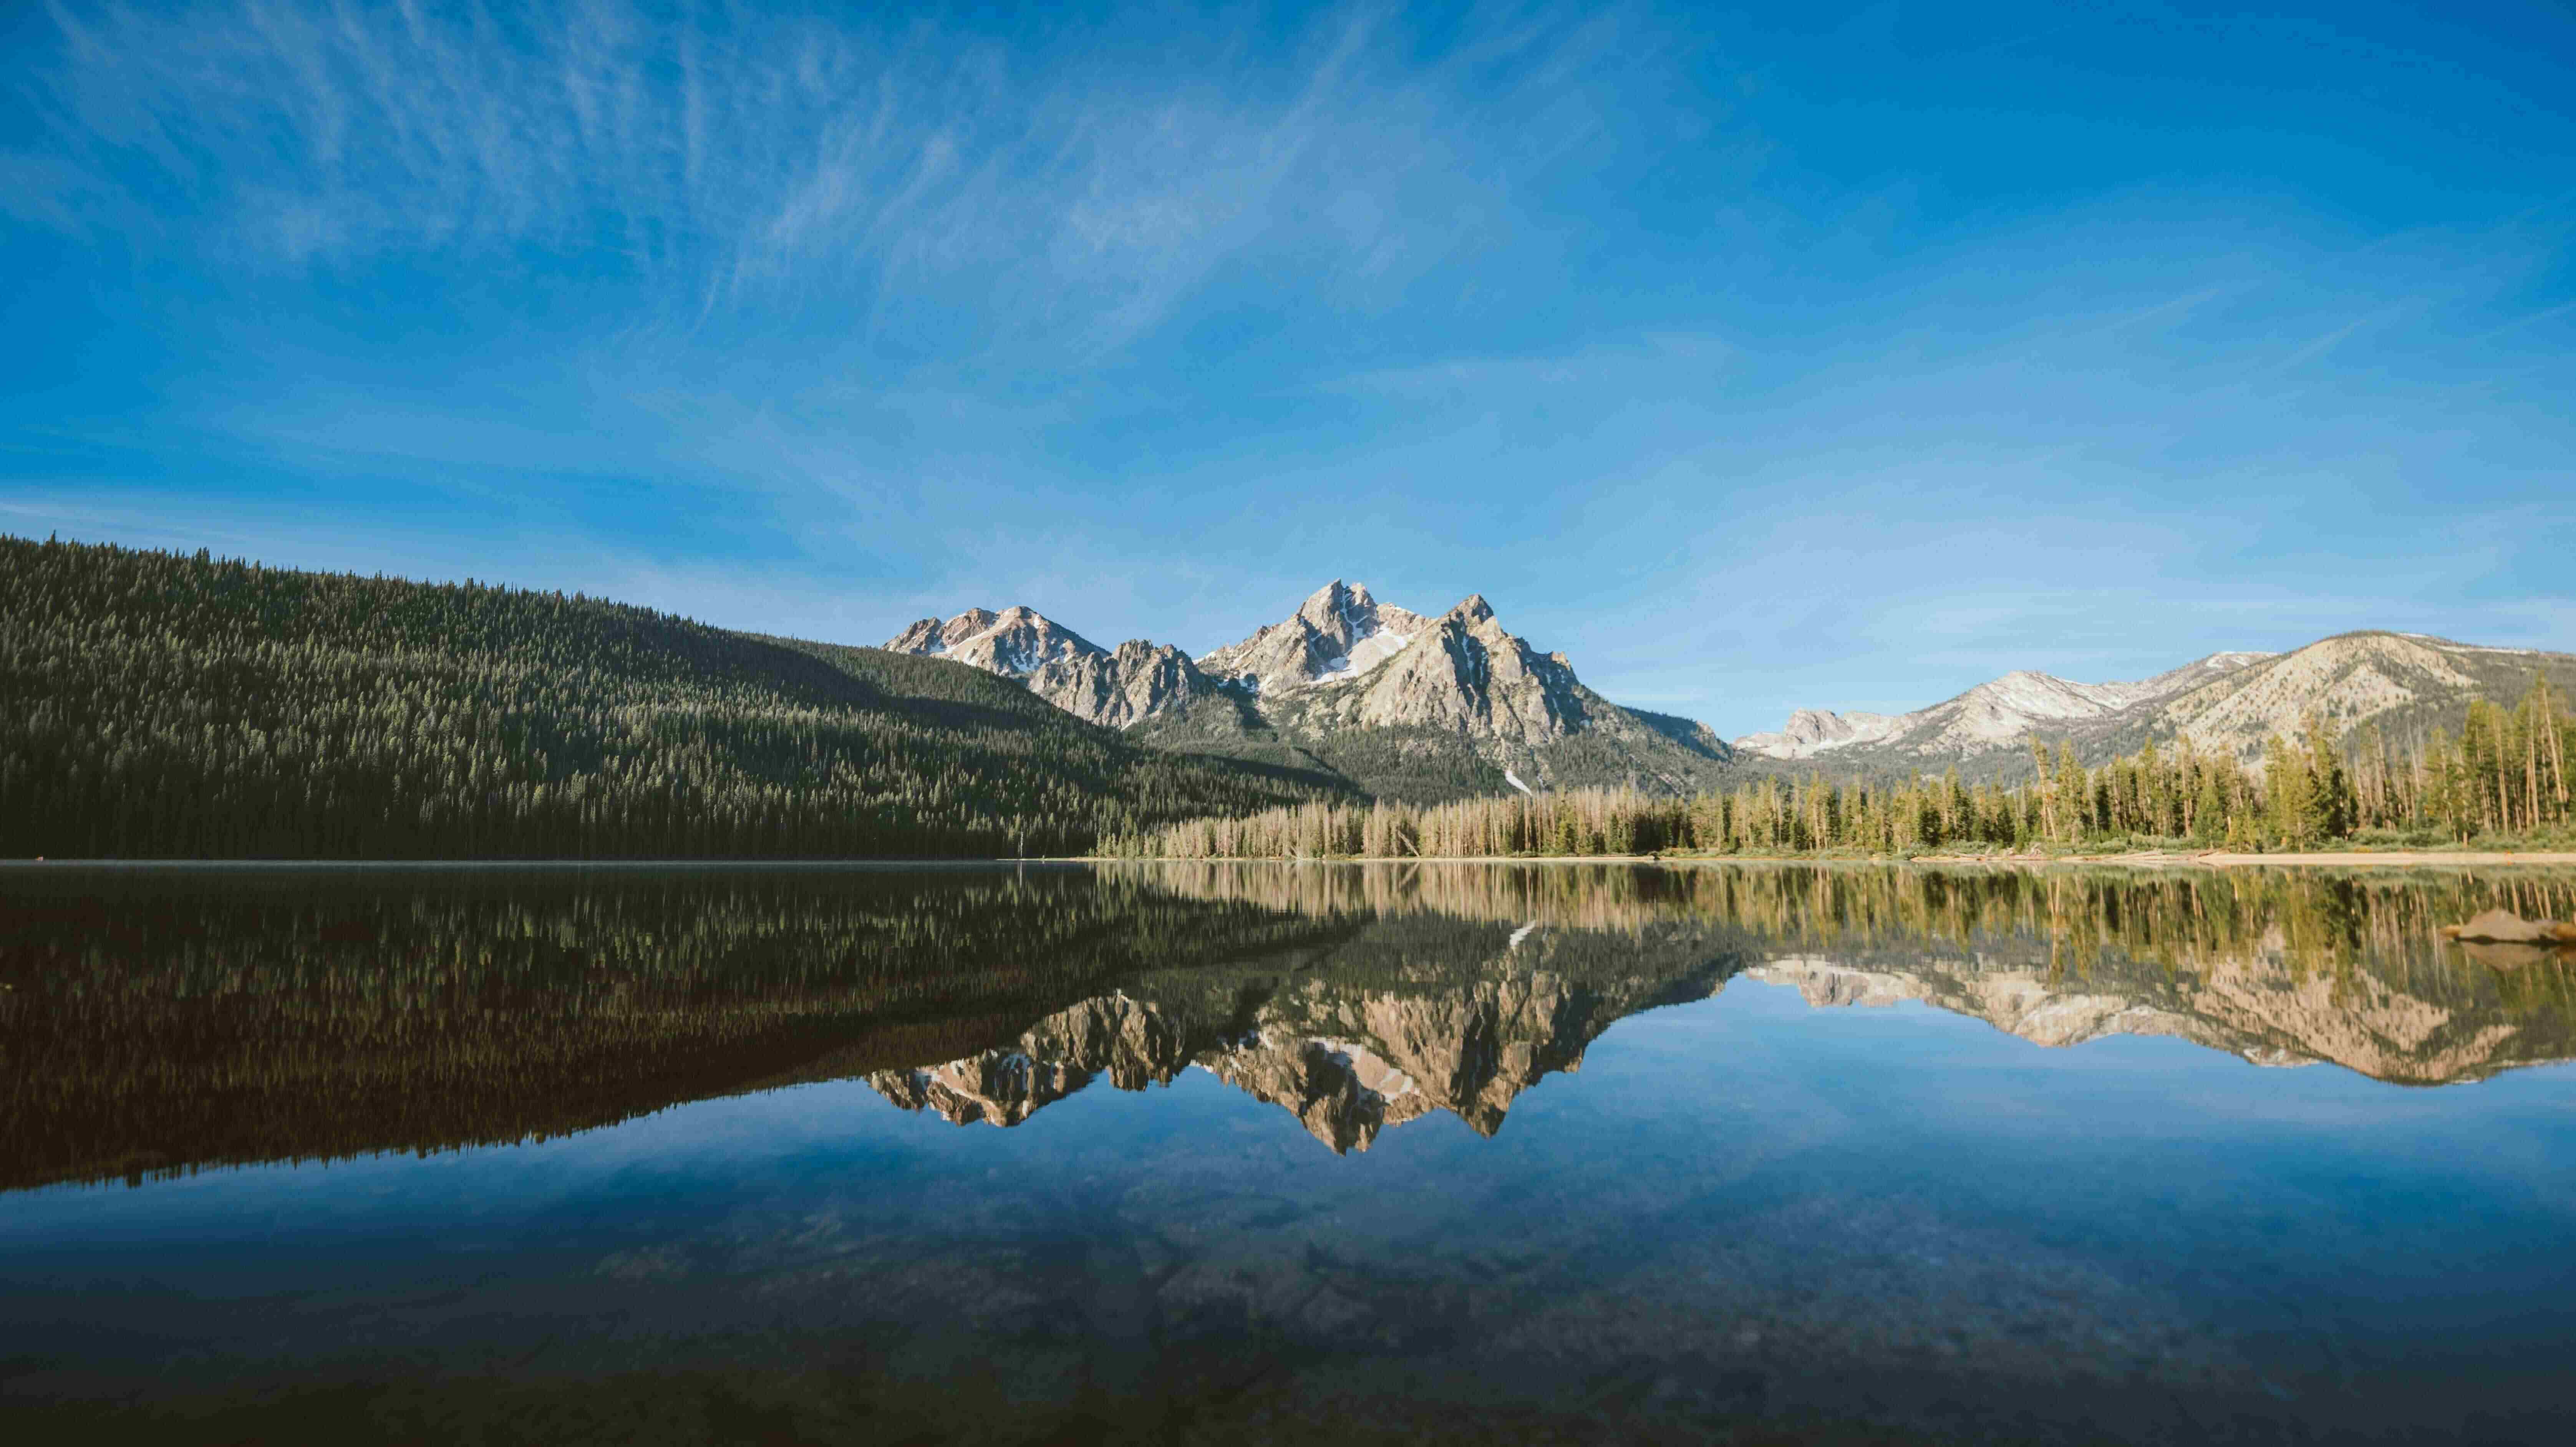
(175, 707)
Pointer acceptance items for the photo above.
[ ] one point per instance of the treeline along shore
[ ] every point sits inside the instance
(2501, 782)
(160, 706)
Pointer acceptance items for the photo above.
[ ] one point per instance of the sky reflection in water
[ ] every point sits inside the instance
(1705, 1203)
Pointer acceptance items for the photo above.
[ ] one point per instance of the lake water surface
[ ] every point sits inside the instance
(1228, 1153)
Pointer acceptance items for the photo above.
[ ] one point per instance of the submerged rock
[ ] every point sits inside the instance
(2513, 957)
(2496, 926)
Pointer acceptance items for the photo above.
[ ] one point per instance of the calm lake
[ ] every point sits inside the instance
(1229, 1153)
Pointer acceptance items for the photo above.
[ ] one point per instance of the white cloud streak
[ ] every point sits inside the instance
(1054, 188)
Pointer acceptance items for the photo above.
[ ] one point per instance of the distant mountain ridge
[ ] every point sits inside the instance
(2399, 683)
(2225, 703)
(2000, 713)
(1405, 704)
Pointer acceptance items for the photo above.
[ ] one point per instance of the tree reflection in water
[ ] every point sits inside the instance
(156, 1023)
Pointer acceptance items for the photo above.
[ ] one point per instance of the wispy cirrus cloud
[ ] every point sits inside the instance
(1711, 349)
(923, 176)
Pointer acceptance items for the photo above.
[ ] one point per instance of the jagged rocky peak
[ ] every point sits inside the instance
(1472, 610)
(2228, 703)
(1117, 689)
(1466, 672)
(1371, 663)
(932, 637)
(1014, 642)
(1339, 633)
(1094, 684)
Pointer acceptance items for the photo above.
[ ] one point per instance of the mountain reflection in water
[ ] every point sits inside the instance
(686, 1180)
(1430, 1010)
(153, 1023)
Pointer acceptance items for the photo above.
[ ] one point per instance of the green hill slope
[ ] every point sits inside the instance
(153, 705)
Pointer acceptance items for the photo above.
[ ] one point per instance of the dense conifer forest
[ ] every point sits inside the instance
(160, 706)
(2503, 780)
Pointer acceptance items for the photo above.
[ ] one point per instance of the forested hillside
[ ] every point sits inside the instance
(153, 705)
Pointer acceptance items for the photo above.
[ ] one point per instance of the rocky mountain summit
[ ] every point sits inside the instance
(1015, 642)
(1337, 635)
(1405, 704)
(1465, 672)
(1113, 688)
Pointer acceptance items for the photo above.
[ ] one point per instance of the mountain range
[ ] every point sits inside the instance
(2226, 703)
(1405, 705)
(1424, 707)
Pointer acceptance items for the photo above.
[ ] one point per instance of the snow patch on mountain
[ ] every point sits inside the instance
(1340, 633)
(1372, 648)
(1014, 642)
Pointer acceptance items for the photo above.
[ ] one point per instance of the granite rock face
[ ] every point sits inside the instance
(1346, 674)
(1468, 675)
(2399, 681)
(1014, 642)
(1338, 634)
(1113, 688)
(1127, 686)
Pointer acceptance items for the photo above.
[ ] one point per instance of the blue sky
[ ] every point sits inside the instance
(1815, 354)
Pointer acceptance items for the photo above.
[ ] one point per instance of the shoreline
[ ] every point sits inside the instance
(2137, 859)
(2143, 859)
